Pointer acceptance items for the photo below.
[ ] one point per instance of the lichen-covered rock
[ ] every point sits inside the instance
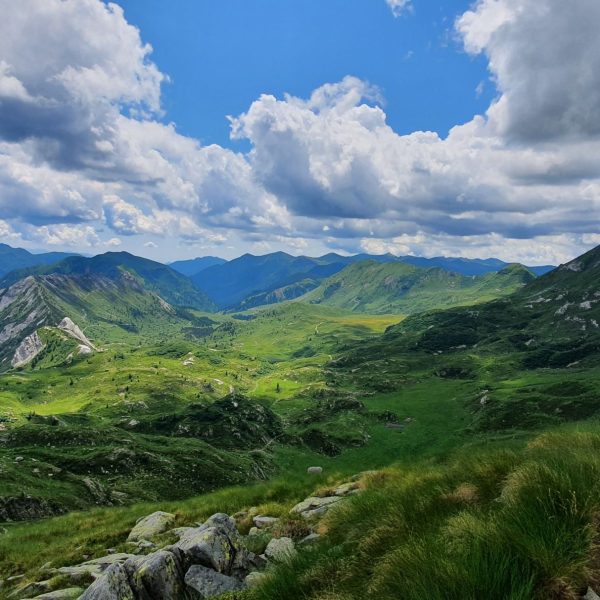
(112, 585)
(314, 506)
(152, 525)
(95, 567)
(157, 576)
(215, 544)
(280, 549)
(209, 583)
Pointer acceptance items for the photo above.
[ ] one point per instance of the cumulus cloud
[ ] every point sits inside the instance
(545, 59)
(84, 150)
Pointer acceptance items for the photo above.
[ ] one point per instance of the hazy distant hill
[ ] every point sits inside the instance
(196, 265)
(231, 283)
(19, 258)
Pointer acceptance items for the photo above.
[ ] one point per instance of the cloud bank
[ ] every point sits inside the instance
(87, 159)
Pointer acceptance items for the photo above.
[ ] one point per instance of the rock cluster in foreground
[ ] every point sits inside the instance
(206, 561)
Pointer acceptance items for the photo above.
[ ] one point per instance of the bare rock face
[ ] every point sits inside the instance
(73, 330)
(27, 350)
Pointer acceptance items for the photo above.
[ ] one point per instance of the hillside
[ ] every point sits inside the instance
(106, 308)
(250, 281)
(367, 286)
(170, 285)
(19, 258)
(552, 321)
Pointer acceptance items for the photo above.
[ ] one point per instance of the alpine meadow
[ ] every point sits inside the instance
(300, 300)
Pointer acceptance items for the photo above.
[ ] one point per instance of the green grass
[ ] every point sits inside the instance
(514, 523)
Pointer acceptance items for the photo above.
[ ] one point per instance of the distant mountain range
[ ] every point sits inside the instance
(251, 280)
(18, 258)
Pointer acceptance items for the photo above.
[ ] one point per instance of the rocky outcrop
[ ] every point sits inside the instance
(152, 525)
(27, 350)
(73, 330)
(25, 508)
(206, 561)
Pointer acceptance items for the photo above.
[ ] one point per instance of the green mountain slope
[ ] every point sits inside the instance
(552, 321)
(106, 308)
(368, 286)
(172, 286)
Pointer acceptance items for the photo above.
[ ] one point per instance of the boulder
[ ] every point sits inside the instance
(314, 470)
(156, 576)
(215, 544)
(152, 525)
(263, 522)
(313, 506)
(112, 585)
(209, 583)
(254, 579)
(280, 549)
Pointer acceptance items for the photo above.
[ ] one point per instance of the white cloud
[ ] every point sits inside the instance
(399, 7)
(82, 150)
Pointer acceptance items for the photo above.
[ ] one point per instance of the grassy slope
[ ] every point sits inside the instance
(368, 286)
(466, 513)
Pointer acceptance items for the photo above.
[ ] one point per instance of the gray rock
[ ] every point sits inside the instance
(254, 579)
(346, 489)
(152, 525)
(263, 522)
(591, 595)
(113, 585)
(209, 583)
(156, 576)
(313, 506)
(314, 470)
(280, 549)
(215, 544)
(254, 531)
(72, 593)
(95, 567)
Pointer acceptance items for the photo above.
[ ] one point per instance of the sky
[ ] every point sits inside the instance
(195, 127)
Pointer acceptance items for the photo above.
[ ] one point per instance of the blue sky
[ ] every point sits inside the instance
(221, 55)
(408, 126)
